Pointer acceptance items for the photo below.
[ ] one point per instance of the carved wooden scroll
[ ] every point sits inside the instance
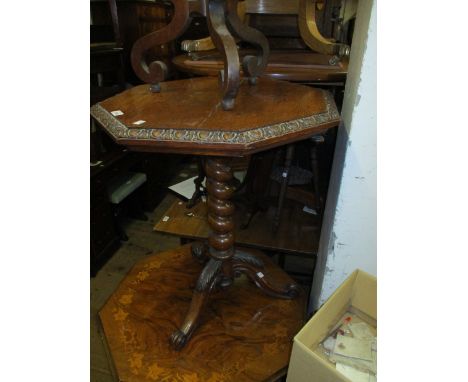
(156, 71)
(224, 25)
(253, 65)
(311, 34)
(226, 45)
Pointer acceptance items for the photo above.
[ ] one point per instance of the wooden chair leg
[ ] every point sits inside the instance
(284, 185)
(199, 189)
(256, 185)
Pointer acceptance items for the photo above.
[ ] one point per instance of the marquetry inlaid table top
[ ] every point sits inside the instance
(186, 116)
(244, 335)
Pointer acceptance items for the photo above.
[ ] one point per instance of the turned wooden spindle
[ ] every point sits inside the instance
(220, 208)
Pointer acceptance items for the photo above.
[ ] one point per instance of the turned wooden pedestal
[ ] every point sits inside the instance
(243, 334)
(222, 261)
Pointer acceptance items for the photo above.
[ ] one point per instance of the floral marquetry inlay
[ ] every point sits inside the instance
(245, 336)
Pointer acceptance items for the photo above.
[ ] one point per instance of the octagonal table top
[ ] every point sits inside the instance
(186, 116)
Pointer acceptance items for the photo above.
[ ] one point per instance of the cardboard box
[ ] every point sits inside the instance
(357, 294)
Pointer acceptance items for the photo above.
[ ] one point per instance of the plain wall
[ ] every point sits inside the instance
(349, 231)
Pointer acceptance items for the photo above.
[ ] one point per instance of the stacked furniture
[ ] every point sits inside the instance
(219, 121)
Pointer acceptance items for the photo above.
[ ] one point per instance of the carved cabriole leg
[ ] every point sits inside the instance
(244, 262)
(226, 45)
(207, 281)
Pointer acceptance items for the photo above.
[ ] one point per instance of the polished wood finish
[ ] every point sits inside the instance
(272, 7)
(298, 232)
(226, 45)
(224, 25)
(187, 118)
(253, 65)
(295, 65)
(220, 207)
(186, 115)
(136, 19)
(306, 11)
(291, 28)
(156, 71)
(245, 335)
(223, 261)
(310, 33)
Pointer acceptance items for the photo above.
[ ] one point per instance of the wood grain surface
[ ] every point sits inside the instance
(187, 117)
(194, 104)
(298, 66)
(244, 335)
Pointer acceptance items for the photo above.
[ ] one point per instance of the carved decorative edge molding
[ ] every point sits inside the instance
(119, 131)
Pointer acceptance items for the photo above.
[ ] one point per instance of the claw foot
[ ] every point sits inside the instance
(178, 340)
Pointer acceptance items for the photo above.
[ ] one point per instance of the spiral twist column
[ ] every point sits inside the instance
(224, 263)
(220, 208)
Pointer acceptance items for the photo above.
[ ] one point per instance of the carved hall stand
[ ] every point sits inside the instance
(187, 117)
